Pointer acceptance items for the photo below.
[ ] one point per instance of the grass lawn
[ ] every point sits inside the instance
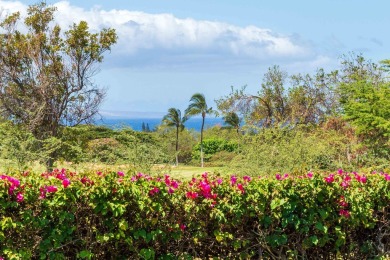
(183, 172)
(187, 172)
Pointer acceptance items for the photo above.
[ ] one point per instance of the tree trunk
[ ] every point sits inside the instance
(201, 142)
(177, 146)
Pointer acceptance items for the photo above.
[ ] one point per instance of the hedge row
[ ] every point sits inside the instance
(63, 214)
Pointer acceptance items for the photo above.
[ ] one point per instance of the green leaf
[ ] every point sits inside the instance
(314, 240)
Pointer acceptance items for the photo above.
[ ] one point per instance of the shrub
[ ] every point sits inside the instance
(63, 214)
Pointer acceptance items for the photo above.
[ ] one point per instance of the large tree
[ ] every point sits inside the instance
(46, 74)
(174, 118)
(365, 102)
(198, 106)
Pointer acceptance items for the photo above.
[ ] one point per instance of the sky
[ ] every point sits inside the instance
(168, 50)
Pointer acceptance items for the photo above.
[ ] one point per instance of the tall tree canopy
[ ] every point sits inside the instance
(198, 106)
(174, 118)
(46, 74)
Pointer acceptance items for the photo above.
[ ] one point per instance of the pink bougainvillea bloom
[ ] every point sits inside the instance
(133, 178)
(344, 184)
(278, 177)
(247, 178)
(51, 189)
(285, 176)
(86, 181)
(42, 192)
(61, 176)
(240, 187)
(219, 181)
(330, 178)
(204, 175)
(343, 203)
(19, 197)
(121, 174)
(363, 179)
(192, 195)
(11, 189)
(309, 175)
(65, 182)
(348, 178)
(182, 227)
(154, 191)
(387, 177)
(205, 187)
(340, 171)
(174, 184)
(170, 190)
(99, 173)
(233, 179)
(344, 213)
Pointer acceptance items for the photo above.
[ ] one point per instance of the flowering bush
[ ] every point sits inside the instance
(62, 214)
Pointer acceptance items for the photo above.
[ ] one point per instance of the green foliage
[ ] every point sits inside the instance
(46, 74)
(366, 105)
(213, 145)
(287, 149)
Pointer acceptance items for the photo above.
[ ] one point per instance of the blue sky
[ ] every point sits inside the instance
(170, 49)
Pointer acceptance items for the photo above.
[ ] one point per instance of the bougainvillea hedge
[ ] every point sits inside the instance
(115, 215)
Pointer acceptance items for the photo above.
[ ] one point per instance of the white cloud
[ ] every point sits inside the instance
(159, 36)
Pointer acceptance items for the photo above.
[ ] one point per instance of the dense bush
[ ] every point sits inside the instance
(63, 214)
(212, 146)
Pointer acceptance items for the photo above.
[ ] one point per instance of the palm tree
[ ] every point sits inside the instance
(233, 120)
(173, 118)
(198, 106)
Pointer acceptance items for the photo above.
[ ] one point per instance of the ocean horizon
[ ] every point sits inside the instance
(152, 123)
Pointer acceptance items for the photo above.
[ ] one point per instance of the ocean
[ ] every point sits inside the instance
(136, 123)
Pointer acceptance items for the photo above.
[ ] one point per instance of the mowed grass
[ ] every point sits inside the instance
(187, 172)
(183, 172)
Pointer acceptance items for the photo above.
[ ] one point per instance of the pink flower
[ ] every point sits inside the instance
(309, 175)
(11, 189)
(86, 181)
(219, 181)
(387, 177)
(99, 173)
(182, 227)
(240, 187)
(330, 178)
(51, 189)
(344, 213)
(192, 195)
(347, 178)
(170, 190)
(61, 176)
(65, 182)
(247, 178)
(19, 197)
(363, 179)
(42, 192)
(285, 176)
(154, 191)
(278, 177)
(233, 179)
(340, 171)
(205, 187)
(121, 174)
(344, 184)
(174, 184)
